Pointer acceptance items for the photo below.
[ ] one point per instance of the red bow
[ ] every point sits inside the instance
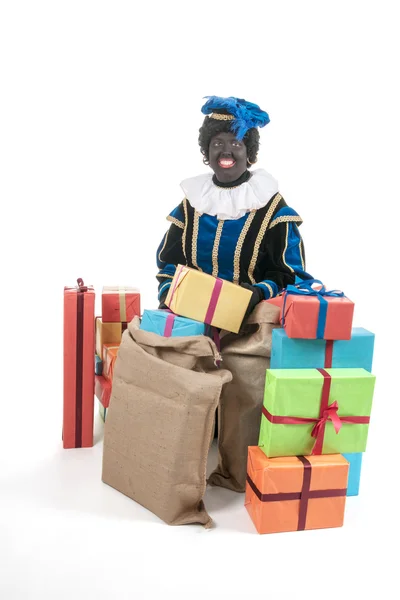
(329, 414)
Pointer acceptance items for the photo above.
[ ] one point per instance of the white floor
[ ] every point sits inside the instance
(66, 535)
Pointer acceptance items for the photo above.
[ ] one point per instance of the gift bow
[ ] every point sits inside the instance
(305, 289)
(330, 414)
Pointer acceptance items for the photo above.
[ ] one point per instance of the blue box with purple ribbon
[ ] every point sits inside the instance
(167, 324)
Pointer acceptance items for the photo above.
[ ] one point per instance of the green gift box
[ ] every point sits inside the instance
(316, 411)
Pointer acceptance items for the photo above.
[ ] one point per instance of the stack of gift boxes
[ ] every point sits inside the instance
(315, 417)
(119, 306)
(90, 350)
(318, 391)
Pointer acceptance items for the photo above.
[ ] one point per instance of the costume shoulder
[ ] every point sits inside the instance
(177, 216)
(284, 214)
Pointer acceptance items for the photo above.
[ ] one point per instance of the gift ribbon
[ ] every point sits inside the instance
(213, 301)
(305, 289)
(328, 412)
(214, 294)
(169, 325)
(304, 495)
(122, 304)
(80, 305)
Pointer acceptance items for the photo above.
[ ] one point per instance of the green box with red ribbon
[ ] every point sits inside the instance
(316, 411)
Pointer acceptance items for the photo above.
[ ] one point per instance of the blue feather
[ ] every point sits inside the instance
(247, 114)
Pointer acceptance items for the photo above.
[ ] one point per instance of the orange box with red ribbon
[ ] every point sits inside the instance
(316, 411)
(295, 493)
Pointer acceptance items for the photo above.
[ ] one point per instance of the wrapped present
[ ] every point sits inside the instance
(167, 324)
(316, 411)
(202, 297)
(310, 313)
(98, 365)
(289, 353)
(78, 366)
(355, 462)
(108, 333)
(295, 493)
(120, 304)
(102, 391)
(110, 352)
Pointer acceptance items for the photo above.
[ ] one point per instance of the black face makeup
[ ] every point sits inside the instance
(228, 157)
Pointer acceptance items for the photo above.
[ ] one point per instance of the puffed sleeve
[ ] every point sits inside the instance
(170, 250)
(284, 261)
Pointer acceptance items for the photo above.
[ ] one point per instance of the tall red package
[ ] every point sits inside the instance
(79, 351)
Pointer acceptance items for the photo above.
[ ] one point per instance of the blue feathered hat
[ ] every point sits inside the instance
(244, 115)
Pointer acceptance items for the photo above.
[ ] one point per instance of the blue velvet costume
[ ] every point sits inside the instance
(263, 247)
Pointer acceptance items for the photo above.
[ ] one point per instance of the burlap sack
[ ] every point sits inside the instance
(160, 422)
(247, 357)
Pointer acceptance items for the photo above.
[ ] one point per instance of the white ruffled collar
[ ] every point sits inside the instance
(229, 204)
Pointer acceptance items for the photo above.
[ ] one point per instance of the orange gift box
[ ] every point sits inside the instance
(297, 492)
(78, 366)
(107, 333)
(120, 304)
(110, 352)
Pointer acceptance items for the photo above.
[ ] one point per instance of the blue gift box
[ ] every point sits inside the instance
(355, 461)
(98, 365)
(156, 322)
(290, 353)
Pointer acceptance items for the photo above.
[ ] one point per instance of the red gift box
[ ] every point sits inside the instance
(78, 366)
(120, 304)
(309, 313)
(102, 390)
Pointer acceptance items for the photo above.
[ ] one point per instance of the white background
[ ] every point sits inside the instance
(100, 110)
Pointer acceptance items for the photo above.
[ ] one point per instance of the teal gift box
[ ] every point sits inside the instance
(290, 353)
(98, 365)
(355, 460)
(167, 324)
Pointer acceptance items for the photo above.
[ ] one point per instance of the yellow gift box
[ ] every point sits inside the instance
(202, 297)
(107, 333)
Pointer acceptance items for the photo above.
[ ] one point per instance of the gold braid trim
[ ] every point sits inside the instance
(219, 117)
(286, 245)
(176, 222)
(164, 244)
(238, 249)
(285, 220)
(215, 248)
(185, 227)
(194, 239)
(165, 275)
(261, 234)
(303, 262)
(271, 291)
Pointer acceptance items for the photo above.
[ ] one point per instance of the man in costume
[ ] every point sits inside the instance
(234, 223)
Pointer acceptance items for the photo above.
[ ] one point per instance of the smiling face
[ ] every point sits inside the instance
(228, 157)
